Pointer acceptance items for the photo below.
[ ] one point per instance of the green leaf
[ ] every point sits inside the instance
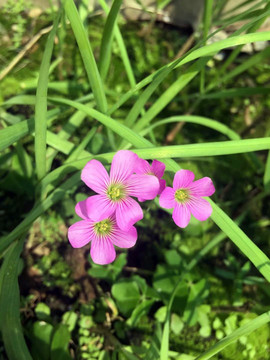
(140, 310)
(127, 295)
(198, 292)
(70, 319)
(43, 311)
(60, 342)
(160, 314)
(177, 324)
(40, 338)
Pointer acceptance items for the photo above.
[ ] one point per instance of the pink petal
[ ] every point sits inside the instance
(202, 187)
(80, 233)
(162, 185)
(158, 168)
(200, 208)
(144, 186)
(182, 179)
(124, 239)
(102, 250)
(142, 167)
(95, 176)
(166, 199)
(123, 165)
(96, 208)
(128, 212)
(181, 215)
(81, 209)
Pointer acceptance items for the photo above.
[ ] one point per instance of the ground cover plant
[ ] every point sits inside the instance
(87, 99)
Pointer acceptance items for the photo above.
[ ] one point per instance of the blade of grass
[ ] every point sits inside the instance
(198, 53)
(41, 104)
(10, 323)
(15, 132)
(201, 120)
(163, 100)
(251, 61)
(207, 17)
(244, 330)
(107, 37)
(254, 27)
(212, 124)
(122, 48)
(87, 55)
(65, 133)
(78, 152)
(266, 178)
(237, 92)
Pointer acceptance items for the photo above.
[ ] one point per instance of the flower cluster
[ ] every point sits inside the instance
(108, 218)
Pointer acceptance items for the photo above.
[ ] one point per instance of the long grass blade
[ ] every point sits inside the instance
(201, 52)
(41, 104)
(107, 37)
(244, 330)
(87, 55)
(10, 323)
(266, 178)
(122, 48)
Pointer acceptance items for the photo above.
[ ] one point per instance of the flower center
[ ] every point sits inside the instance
(103, 227)
(181, 195)
(116, 192)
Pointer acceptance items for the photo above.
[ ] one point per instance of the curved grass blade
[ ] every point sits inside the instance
(254, 27)
(246, 329)
(15, 132)
(212, 124)
(201, 120)
(41, 104)
(198, 53)
(10, 323)
(106, 43)
(164, 99)
(122, 48)
(87, 55)
(255, 59)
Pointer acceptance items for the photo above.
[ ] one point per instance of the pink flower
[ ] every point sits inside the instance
(186, 198)
(115, 191)
(157, 169)
(103, 236)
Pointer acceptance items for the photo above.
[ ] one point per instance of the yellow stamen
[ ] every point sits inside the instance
(116, 192)
(181, 195)
(103, 227)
